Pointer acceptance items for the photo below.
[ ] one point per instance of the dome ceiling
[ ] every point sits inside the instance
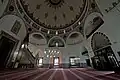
(55, 14)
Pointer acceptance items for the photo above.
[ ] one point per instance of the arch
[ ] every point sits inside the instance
(74, 38)
(99, 40)
(104, 58)
(56, 39)
(92, 23)
(37, 38)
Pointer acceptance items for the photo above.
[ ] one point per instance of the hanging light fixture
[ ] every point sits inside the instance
(48, 32)
(56, 32)
(23, 45)
(79, 22)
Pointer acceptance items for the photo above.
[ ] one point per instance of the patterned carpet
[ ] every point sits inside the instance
(58, 74)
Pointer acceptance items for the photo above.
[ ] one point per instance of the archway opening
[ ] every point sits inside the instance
(56, 42)
(104, 58)
(74, 38)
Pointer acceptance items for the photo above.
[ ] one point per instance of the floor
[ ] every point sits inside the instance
(58, 74)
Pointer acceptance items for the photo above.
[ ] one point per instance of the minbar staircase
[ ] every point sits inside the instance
(30, 57)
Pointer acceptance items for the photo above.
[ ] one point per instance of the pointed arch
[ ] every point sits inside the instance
(56, 39)
(99, 40)
(74, 38)
(37, 38)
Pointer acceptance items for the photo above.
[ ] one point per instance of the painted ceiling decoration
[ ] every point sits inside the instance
(53, 17)
(55, 4)
(94, 24)
(54, 14)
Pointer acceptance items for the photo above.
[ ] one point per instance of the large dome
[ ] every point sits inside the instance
(55, 14)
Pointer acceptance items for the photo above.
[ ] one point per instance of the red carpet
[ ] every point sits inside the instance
(58, 74)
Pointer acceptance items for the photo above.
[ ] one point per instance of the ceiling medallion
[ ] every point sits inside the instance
(61, 15)
(55, 3)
